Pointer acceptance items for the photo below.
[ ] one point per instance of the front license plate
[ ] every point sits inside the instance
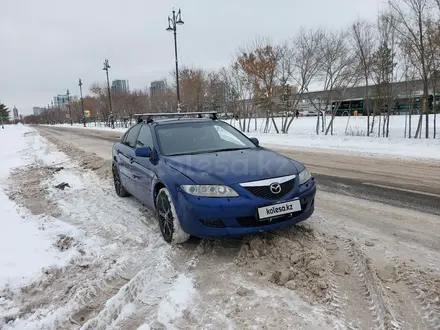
(276, 210)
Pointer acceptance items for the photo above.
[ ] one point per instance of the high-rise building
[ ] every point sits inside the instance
(37, 111)
(119, 85)
(157, 86)
(15, 112)
(59, 100)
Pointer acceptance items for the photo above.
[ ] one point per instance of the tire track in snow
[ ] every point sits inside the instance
(427, 312)
(334, 298)
(383, 316)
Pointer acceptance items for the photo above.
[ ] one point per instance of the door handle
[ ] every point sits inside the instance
(131, 159)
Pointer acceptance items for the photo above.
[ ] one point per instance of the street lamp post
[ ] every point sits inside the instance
(50, 113)
(68, 106)
(58, 105)
(53, 110)
(106, 67)
(172, 27)
(82, 100)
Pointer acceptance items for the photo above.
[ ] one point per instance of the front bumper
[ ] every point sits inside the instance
(219, 217)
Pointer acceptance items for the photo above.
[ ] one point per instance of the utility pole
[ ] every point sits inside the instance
(68, 106)
(82, 101)
(106, 67)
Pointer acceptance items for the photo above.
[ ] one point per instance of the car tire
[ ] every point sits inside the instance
(119, 188)
(169, 222)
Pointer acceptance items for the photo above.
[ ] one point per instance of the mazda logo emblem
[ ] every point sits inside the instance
(275, 188)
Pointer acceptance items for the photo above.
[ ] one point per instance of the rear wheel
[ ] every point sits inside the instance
(119, 188)
(168, 221)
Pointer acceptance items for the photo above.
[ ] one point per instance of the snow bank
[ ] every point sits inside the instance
(25, 247)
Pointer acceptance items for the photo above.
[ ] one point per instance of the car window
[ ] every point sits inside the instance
(131, 136)
(145, 138)
(199, 137)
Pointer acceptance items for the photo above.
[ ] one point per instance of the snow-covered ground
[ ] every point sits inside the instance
(70, 252)
(349, 136)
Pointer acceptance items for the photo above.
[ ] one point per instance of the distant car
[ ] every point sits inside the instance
(203, 177)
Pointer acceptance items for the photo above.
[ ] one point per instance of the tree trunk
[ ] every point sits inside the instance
(372, 125)
(406, 124)
(419, 126)
(367, 104)
(379, 125)
(266, 127)
(317, 123)
(249, 123)
(434, 106)
(275, 125)
(410, 124)
(388, 120)
(330, 125)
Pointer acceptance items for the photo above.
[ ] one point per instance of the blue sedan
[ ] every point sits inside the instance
(203, 177)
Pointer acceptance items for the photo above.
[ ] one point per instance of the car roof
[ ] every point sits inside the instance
(180, 120)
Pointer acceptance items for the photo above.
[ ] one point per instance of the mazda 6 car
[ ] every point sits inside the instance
(203, 177)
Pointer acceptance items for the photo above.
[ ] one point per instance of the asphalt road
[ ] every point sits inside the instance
(395, 182)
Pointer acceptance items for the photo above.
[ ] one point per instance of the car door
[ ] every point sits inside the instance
(126, 156)
(143, 168)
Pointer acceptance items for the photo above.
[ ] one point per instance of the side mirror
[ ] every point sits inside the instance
(143, 152)
(255, 141)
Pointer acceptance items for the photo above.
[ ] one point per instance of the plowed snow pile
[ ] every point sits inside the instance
(294, 262)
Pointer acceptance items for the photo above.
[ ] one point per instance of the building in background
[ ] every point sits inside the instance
(59, 100)
(37, 111)
(157, 86)
(119, 85)
(15, 113)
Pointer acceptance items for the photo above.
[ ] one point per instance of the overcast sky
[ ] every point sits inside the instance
(46, 45)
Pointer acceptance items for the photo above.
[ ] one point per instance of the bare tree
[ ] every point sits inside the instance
(433, 54)
(362, 34)
(99, 91)
(383, 68)
(192, 88)
(411, 17)
(239, 93)
(336, 71)
(260, 61)
(306, 62)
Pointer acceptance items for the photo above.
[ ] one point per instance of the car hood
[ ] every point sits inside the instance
(230, 167)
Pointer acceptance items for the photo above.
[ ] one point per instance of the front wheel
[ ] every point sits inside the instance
(168, 221)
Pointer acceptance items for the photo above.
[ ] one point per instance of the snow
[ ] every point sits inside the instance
(176, 301)
(25, 248)
(349, 136)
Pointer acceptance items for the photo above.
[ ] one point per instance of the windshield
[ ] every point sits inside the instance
(199, 137)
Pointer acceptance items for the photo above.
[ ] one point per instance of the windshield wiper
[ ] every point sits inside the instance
(230, 149)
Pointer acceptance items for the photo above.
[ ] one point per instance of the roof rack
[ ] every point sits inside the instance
(149, 116)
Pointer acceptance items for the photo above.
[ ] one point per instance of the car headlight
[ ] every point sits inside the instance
(209, 190)
(304, 176)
